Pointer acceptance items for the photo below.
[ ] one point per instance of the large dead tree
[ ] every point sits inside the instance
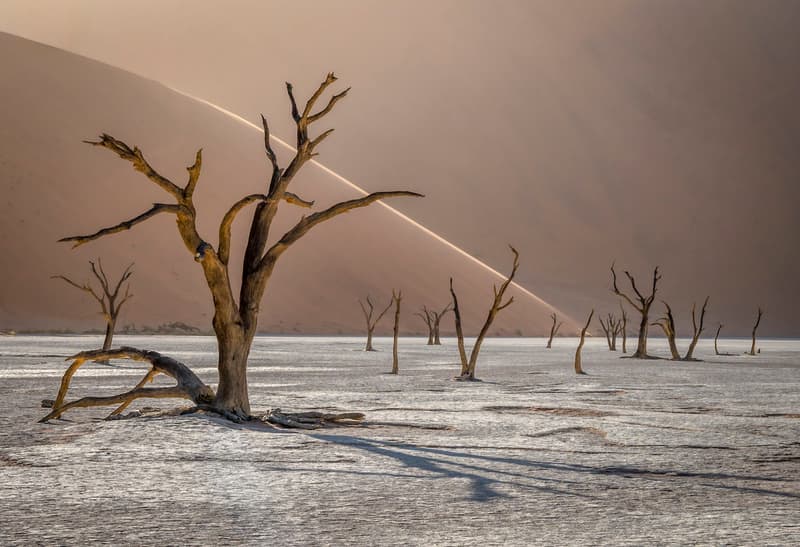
(697, 330)
(755, 328)
(468, 364)
(235, 321)
(110, 299)
(371, 323)
(578, 367)
(437, 319)
(643, 307)
(396, 298)
(427, 316)
(553, 329)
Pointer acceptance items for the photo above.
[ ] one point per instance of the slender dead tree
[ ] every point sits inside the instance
(368, 318)
(611, 328)
(578, 368)
(697, 329)
(755, 327)
(716, 337)
(109, 298)
(667, 324)
(468, 365)
(427, 316)
(553, 329)
(643, 307)
(396, 298)
(437, 318)
(624, 328)
(235, 322)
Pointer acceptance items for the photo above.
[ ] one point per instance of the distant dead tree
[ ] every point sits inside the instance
(106, 297)
(396, 298)
(716, 337)
(643, 307)
(427, 316)
(611, 328)
(368, 313)
(578, 368)
(697, 329)
(667, 324)
(755, 327)
(553, 329)
(468, 365)
(437, 318)
(624, 328)
(235, 321)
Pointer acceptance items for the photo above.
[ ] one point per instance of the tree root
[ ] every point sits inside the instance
(188, 385)
(311, 420)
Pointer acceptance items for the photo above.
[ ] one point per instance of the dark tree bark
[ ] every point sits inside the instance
(468, 365)
(235, 322)
(578, 367)
(624, 328)
(611, 328)
(368, 318)
(553, 329)
(755, 327)
(643, 307)
(667, 324)
(716, 337)
(427, 316)
(697, 329)
(396, 298)
(437, 318)
(109, 298)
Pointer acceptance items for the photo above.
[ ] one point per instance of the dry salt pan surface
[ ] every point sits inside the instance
(635, 453)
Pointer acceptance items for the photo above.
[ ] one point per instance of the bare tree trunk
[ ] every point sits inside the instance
(716, 337)
(696, 331)
(368, 310)
(468, 367)
(606, 331)
(578, 368)
(427, 317)
(755, 327)
(396, 298)
(643, 307)
(624, 329)
(667, 324)
(234, 349)
(369, 341)
(553, 330)
(437, 318)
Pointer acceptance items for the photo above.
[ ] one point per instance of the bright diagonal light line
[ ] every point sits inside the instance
(363, 192)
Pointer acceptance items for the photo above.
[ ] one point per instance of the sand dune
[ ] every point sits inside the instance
(53, 186)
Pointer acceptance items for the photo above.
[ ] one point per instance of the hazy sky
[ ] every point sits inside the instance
(650, 132)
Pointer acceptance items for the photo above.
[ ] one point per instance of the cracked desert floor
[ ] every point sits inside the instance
(634, 453)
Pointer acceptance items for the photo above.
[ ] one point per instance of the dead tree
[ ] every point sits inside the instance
(437, 318)
(667, 324)
(578, 368)
(697, 329)
(643, 307)
(396, 298)
(468, 365)
(755, 327)
(368, 318)
(235, 322)
(624, 328)
(716, 337)
(553, 329)
(611, 328)
(108, 297)
(427, 316)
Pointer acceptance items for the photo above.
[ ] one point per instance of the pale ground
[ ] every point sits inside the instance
(635, 453)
